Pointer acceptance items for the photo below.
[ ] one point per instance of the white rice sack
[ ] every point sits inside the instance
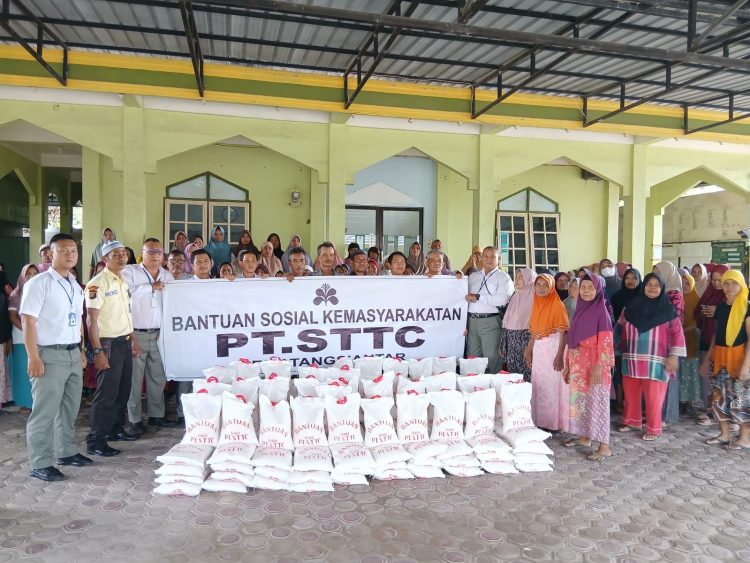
(506, 457)
(308, 427)
(533, 447)
(420, 368)
(273, 473)
(275, 424)
(224, 486)
(194, 455)
(455, 448)
(232, 467)
(378, 422)
(341, 478)
(394, 465)
(427, 462)
(425, 471)
(448, 415)
(390, 454)
(220, 374)
(237, 420)
(272, 457)
(178, 489)
(405, 385)
(442, 364)
(472, 365)
(345, 376)
(211, 386)
(314, 458)
(532, 458)
(302, 477)
(499, 467)
(321, 374)
(497, 381)
(181, 471)
(343, 419)
(463, 471)
(333, 389)
(306, 386)
(469, 460)
(276, 367)
(480, 413)
(233, 452)
(369, 367)
(425, 451)
(166, 479)
(533, 467)
(518, 427)
(399, 367)
(411, 410)
(380, 386)
(248, 389)
(517, 438)
(445, 381)
(473, 382)
(270, 484)
(312, 488)
(233, 476)
(352, 458)
(392, 474)
(275, 388)
(202, 418)
(245, 369)
(343, 361)
(488, 443)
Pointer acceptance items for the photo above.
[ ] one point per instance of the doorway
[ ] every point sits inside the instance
(387, 228)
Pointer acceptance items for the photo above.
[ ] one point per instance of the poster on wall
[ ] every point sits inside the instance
(309, 320)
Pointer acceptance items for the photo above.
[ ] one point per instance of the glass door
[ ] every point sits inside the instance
(400, 228)
(361, 227)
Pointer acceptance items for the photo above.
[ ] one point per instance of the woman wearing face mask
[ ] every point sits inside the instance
(649, 335)
(515, 334)
(730, 357)
(588, 367)
(611, 279)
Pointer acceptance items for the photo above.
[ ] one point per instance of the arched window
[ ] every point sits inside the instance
(528, 231)
(199, 204)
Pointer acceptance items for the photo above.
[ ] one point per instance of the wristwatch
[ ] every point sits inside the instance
(97, 351)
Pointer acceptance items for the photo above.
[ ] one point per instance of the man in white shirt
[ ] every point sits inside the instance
(145, 282)
(51, 316)
(489, 289)
(248, 261)
(176, 265)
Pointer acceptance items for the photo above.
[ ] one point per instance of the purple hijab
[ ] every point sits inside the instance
(591, 317)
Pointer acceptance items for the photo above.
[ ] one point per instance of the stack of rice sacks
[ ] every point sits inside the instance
(529, 450)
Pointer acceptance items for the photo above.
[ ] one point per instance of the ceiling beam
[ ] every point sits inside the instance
(467, 9)
(706, 33)
(191, 33)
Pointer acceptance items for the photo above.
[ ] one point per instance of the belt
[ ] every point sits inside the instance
(76, 346)
(116, 338)
(482, 315)
(146, 329)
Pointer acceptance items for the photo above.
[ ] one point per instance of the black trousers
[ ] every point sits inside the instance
(109, 405)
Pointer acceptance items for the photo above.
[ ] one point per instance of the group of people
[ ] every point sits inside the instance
(671, 338)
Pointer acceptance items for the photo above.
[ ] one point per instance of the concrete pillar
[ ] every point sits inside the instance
(132, 228)
(318, 214)
(613, 220)
(483, 232)
(336, 227)
(91, 199)
(634, 237)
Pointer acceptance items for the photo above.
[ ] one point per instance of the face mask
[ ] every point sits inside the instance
(608, 272)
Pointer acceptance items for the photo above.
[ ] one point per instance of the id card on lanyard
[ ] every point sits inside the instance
(72, 317)
(152, 281)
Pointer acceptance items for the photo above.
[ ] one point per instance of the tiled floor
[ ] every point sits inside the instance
(676, 499)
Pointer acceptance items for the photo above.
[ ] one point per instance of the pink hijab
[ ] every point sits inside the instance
(518, 315)
(14, 301)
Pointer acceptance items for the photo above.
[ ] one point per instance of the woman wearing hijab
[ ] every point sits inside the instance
(275, 241)
(588, 366)
(219, 248)
(730, 356)
(246, 243)
(19, 359)
(570, 301)
(673, 281)
(416, 259)
(108, 235)
(6, 341)
(704, 317)
(515, 335)
(690, 381)
(649, 335)
(294, 242)
(562, 283)
(630, 288)
(269, 260)
(701, 277)
(611, 279)
(548, 326)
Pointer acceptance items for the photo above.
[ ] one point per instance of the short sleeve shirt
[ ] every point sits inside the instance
(108, 293)
(722, 316)
(57, 305)
(146, 304)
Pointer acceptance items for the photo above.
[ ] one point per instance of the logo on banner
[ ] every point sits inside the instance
(325, 294)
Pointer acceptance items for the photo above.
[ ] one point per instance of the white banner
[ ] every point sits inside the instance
(310, 320)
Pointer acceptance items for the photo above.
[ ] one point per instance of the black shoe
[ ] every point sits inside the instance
(137, 428)
(161, 423)
(181, 421)
(122, 437)
(78, 460)
(47, 474)
(104, 451)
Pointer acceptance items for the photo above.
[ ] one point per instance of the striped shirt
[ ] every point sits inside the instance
(643, 354)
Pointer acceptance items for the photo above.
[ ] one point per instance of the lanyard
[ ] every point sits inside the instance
(151, 280)
(484, 283)
(72, 292)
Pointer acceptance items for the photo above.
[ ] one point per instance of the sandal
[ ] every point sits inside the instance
(596, 456)
(574, 443)
(735, 447)
(717, 441)
(649, 437)
(626, 428)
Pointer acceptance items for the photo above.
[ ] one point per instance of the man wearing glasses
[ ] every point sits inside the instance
(145, 282)
(176, 265)
(110, 332)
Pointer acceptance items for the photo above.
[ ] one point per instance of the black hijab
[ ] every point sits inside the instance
(645, 313)
(562, 293)
(623, 296)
